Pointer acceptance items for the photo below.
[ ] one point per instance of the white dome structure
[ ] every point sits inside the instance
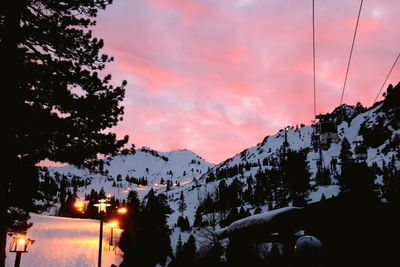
(308, 251)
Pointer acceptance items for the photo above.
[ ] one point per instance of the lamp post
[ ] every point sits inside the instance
(102, 208)
(113, 224)
(19, 245)
(121, 214)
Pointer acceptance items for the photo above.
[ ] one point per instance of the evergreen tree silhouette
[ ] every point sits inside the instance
(60, 106)
(182, 204)
(391, 184)
(185, 254)
(198, 218)
(295, 173)
(147, 243)
(346, 154)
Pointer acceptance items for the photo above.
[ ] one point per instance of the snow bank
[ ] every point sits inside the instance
(65, 242)
(257, 219)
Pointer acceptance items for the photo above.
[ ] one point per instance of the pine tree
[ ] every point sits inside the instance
(182, 204)
(261, 188)
(148, 239)
(133, 201)
(189, 249)
(183, 223)
(295, 172)
(323, 177)
(212, 255)
(233, 215)
(345, 154)
(61, 106)
(235, 193)
(248, 195)
(102, 193)
(198, 219)
(179, 244)
(391, 184)
(169, 185)
(185, 254)
(258, 210)
(358, 178)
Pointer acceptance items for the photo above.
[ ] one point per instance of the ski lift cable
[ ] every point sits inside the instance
(380, 90)
(351, 53)
(387, 77)
(320, 159)
(313, 33)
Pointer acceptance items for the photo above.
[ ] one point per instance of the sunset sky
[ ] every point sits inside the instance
(217, 76)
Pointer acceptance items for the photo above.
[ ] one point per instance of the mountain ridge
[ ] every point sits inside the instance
(353, 123)
(376, 127)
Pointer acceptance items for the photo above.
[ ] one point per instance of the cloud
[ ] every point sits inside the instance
(217, 76)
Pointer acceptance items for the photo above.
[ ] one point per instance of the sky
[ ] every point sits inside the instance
(217, 76)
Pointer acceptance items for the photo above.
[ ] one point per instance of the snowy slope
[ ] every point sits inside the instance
(65, 242)
(350, 123)
(377, 127)
(300, 138)
(179, 166)
(352, 120)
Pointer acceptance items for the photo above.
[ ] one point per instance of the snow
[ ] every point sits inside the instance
(66, 242)
(152, 165)
(257, 219)
(329, 191)
(184, 161)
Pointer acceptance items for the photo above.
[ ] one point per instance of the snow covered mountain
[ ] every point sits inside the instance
(146, 166)
(376, 129)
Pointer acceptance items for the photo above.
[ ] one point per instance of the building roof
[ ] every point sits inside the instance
(253, 221)
(356, 229)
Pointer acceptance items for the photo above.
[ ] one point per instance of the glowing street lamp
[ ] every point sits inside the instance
(122, 210)
(102, 208)
(79, 205)
(113, 224)
(19, 245)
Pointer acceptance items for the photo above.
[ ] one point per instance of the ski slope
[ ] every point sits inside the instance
(65, 242)
(179, 166)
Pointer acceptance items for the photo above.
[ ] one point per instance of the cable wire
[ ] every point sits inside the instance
(351, 53)
(313, 32)
(383, 85)
(387, 77)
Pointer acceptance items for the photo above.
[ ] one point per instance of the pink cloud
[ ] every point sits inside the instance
(190, 10)
(366, 24)
(217, 76)
(153, 76)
